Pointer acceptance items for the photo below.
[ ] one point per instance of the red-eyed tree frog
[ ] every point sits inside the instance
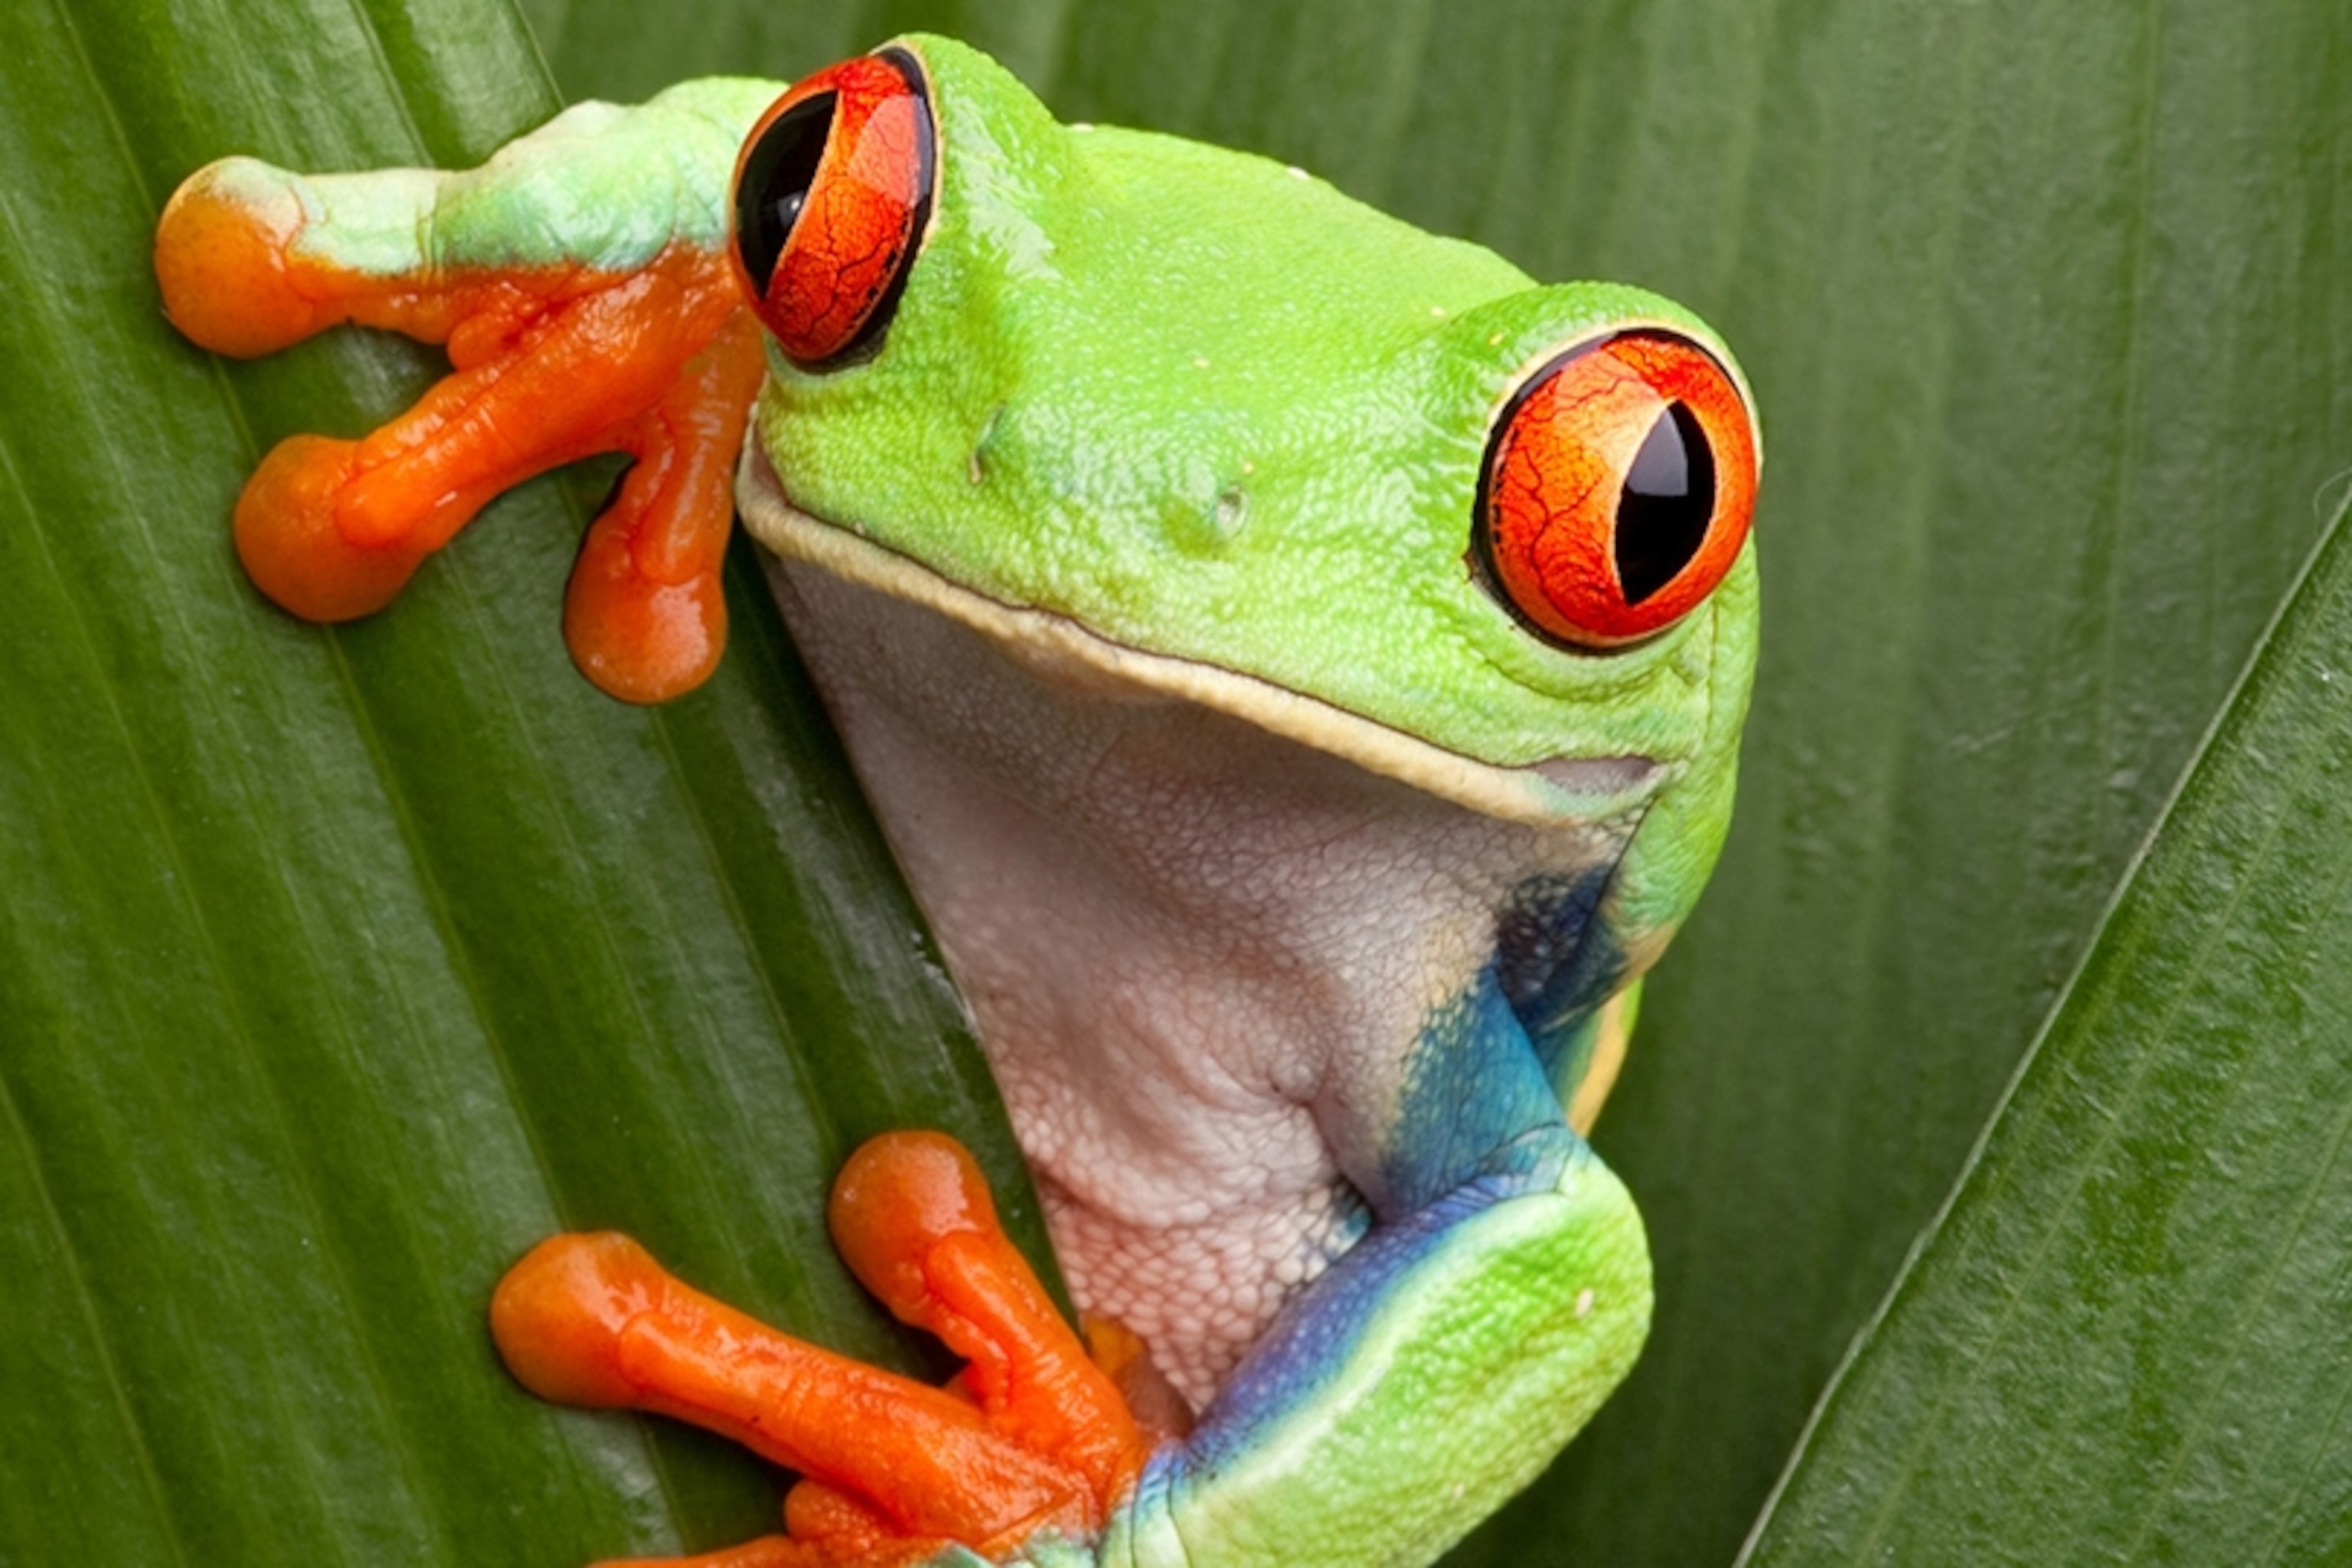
(1299, 662)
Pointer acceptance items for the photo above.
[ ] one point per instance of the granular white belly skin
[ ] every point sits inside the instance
(1166, 1074)
(1199, 955)
(1200, 1295)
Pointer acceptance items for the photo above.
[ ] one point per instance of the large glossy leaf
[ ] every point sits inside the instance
(2125, 1341)
(336, 966)
(339, 966)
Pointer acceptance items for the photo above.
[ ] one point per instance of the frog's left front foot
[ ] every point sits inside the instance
(1031, 1443)
(572, 327)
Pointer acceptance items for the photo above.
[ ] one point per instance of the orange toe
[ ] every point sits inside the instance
(639, 639)
(897, 1199)
(592, 1320)
(1034, 1438)
(294, 549)
(558, 1316)
(912, 1217)
(222, 259)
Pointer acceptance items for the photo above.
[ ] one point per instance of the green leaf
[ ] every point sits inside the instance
(336, 967)
(2124, 1339)
(339, 966)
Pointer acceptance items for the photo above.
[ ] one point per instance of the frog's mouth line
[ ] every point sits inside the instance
(1558, 790)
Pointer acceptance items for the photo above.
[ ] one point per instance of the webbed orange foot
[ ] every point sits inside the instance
(1032, 1438)
(551, 360)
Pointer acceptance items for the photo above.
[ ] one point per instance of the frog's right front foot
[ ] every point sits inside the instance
(629, 335)
(1032, 1448)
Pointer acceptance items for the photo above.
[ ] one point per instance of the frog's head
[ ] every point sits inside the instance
(1137, 406)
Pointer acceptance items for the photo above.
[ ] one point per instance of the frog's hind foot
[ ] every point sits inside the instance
(1031, 1441)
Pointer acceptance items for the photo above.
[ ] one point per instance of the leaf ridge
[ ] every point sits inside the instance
(86, 1308)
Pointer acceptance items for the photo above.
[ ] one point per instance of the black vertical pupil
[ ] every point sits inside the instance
(1669, 497)
(775, 183)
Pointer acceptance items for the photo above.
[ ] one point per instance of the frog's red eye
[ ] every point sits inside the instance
(831, 191)
(1617, 488)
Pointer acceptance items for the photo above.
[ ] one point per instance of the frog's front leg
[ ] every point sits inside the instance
(581, 283)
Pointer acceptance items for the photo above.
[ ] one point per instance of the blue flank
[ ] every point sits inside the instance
(1476, 1091)
(1557, 964)
(1479, 1121)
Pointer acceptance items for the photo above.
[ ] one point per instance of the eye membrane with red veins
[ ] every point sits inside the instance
(830, 193)
(1617, 488)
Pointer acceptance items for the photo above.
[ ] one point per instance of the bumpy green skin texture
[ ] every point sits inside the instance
(1118, 387)
(599, 187)
(1682, 830)
(1470, 1372)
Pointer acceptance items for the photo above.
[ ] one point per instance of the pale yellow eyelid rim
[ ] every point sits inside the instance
(1064, 648)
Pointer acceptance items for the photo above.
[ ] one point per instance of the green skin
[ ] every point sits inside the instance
(1230, 423)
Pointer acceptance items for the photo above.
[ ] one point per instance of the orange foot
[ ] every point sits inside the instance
(552, 362)
(1033, 1439)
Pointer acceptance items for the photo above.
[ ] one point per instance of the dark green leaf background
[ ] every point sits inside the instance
(337, 966)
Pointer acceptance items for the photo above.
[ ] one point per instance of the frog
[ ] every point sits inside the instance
(1297, 660)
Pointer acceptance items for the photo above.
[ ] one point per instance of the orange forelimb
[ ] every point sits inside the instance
(550, 364)
(644, 613)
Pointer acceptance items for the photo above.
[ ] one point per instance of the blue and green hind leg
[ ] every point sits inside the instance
(1500, 1294)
